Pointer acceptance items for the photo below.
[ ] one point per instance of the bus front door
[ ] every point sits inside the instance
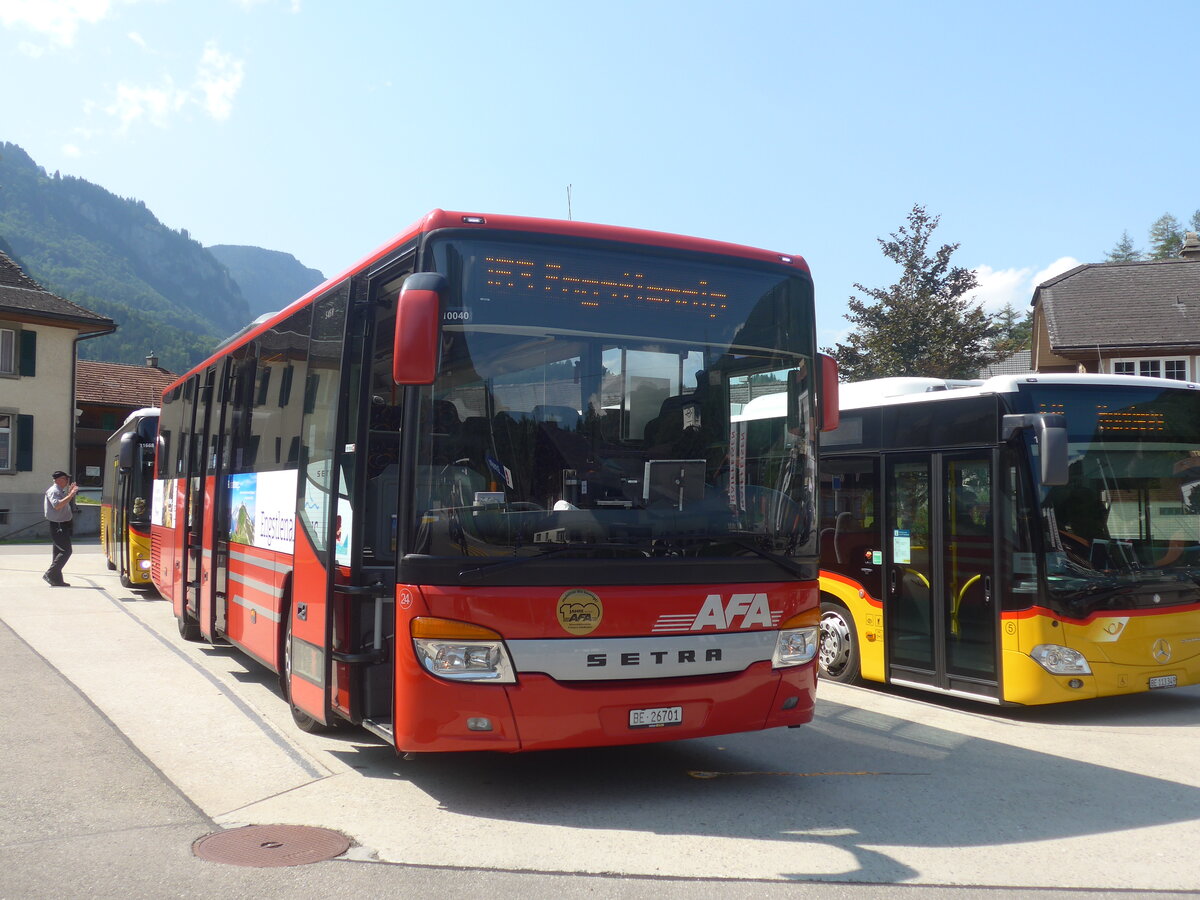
(940, 610)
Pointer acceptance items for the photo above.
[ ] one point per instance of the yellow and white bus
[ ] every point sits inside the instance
(126, 495)
(1021, 540)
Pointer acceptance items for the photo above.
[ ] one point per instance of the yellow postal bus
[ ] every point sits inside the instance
(1022, 540)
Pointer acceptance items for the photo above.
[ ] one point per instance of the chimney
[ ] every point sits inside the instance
(152, 360)
(1191, 246)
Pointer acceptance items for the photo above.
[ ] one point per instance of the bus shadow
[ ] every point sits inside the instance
(852, 781)
(1176, 707)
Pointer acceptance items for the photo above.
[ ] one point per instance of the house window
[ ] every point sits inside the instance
(1152, 368)
(8, 351)
(6, 441)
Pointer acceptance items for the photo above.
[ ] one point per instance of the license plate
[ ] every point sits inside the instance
(1162, 681)
(656, 718)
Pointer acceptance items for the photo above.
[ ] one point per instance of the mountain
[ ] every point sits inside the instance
(269, 279)
(169, 295)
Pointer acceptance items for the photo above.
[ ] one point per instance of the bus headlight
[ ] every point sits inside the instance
(460, 651)
(1059, 660)
(796, 646)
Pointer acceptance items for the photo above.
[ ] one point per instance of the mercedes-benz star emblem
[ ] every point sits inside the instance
(1161, 651)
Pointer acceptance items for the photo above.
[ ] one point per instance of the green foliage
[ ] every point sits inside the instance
(1012, 332)
(269, 279)
(1166, 237)
(1124, 251)
(924, 324)
(112, 256)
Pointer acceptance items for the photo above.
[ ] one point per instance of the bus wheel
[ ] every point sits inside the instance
(112, 566)
(839, 645)
(189, 628)
(303, 720)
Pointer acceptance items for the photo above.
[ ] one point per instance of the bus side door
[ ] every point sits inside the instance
(320, 515)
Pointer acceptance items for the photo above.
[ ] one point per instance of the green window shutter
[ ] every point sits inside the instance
(28, 354)
(24, 443)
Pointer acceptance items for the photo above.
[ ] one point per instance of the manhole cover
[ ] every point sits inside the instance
(264, 846)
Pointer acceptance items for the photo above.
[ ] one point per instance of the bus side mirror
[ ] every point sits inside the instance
(1052, 449)
(1051, 431)
(127, 451)
(830, 410)
(417, 344)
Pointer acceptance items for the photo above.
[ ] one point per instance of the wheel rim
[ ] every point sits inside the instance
(835, 642)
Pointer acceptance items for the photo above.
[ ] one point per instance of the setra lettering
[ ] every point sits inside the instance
(653, 657)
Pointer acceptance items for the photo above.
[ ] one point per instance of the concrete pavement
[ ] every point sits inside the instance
(122, 745)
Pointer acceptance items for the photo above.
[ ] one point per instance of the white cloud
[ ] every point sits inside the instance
(31, 50)
(998, 287)
(71, 151)
(59, 20)
(293, 6)
(219, 78)
(1060, 265)
(137, 39)
(156, 105)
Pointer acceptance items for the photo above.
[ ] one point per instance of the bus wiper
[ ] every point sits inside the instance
(792, 568)
(478, 572)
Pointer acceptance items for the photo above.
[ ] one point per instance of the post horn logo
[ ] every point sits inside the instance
(579, 611)
(1161, 651)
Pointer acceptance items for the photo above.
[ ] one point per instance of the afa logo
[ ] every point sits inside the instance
(579, 611)
(741, 611)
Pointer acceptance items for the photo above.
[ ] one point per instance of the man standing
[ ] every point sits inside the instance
(59, 514)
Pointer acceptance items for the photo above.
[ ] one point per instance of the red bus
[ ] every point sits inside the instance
(484, 489)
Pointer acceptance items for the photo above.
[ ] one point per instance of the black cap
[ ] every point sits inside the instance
(60, 474)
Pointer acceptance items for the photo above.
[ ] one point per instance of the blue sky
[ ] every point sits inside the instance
(1038, 132)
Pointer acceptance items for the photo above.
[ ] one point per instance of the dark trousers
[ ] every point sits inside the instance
(60, 533)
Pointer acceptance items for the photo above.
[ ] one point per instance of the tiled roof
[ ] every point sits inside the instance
(1108, 305)
(1017, 364)
(20, 295)
(114, 384)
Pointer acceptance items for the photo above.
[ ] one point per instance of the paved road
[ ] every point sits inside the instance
(121, 745)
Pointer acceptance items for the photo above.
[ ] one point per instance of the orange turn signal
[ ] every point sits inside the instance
(433, 629)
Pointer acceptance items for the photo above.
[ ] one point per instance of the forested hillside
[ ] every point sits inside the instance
(167, 293)
(269, 279)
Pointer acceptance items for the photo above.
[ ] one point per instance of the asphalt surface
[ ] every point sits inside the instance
(86, 812)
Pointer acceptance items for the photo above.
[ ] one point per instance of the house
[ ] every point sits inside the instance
(105, 394)
(39, 338)
(1016, 364)
(1134, 318)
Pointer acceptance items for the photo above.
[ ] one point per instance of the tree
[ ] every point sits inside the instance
(1013, 332)
(1124, 251)
(1194, 221)
(1166, 237)
(922, 325)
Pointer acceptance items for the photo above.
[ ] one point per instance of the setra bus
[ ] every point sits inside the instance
(127, 488)
(1022, 540)
(482, 490)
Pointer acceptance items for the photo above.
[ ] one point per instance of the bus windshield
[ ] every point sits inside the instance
(1125, 529)
(588, 405)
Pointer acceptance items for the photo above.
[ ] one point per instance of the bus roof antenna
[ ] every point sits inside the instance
(568, 203)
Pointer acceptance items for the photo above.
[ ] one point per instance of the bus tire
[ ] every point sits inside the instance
(189, 628)
(303, 720)
(839, 660)
(112, 566)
